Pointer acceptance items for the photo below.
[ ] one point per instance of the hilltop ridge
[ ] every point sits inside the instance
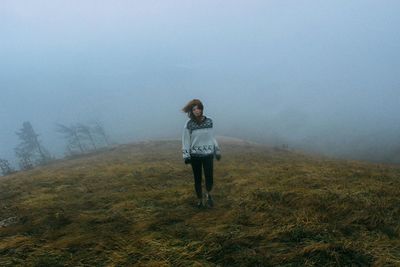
(133, 205)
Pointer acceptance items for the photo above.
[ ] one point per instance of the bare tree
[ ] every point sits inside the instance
(86, 132)
(24, 157)
(73, 138)
(30, 149)
(5, 167)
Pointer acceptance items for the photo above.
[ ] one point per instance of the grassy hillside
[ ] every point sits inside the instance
(134, 205)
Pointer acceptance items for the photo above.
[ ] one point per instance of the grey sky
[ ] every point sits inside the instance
(319, 75)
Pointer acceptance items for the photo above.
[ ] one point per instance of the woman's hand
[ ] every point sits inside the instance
(218, 156)
(188, 161)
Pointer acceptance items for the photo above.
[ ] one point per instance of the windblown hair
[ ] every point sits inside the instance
(189, 106)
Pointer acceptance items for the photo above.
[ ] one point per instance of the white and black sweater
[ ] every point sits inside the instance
(198, 139)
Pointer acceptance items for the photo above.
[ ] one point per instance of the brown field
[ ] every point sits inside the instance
(133, 205)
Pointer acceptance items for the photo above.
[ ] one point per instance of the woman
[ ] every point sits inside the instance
(199, 148)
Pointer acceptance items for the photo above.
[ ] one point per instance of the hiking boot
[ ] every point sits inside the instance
(199, 204)
(210, 201)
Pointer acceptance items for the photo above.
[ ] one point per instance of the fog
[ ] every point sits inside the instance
(320, 76)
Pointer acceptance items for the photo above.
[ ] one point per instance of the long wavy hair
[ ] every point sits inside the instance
(189, 106)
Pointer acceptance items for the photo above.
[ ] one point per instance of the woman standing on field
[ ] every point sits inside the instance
(199, 148)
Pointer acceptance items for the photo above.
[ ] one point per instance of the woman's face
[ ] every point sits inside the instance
(196, 111)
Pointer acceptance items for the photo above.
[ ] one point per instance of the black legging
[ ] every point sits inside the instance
(207, 164)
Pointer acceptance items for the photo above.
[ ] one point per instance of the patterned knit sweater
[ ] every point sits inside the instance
(198, 139)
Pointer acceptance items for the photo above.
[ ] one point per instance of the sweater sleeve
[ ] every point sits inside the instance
(186, 142)
(217, 150)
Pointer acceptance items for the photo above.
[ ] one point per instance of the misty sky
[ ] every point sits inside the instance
(322, 76)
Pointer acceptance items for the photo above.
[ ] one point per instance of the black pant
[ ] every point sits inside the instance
(207, 164)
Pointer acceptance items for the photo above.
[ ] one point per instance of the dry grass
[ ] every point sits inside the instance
(134, 205)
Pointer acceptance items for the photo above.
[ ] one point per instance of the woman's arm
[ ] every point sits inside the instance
(217, 150)
(186, 142)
